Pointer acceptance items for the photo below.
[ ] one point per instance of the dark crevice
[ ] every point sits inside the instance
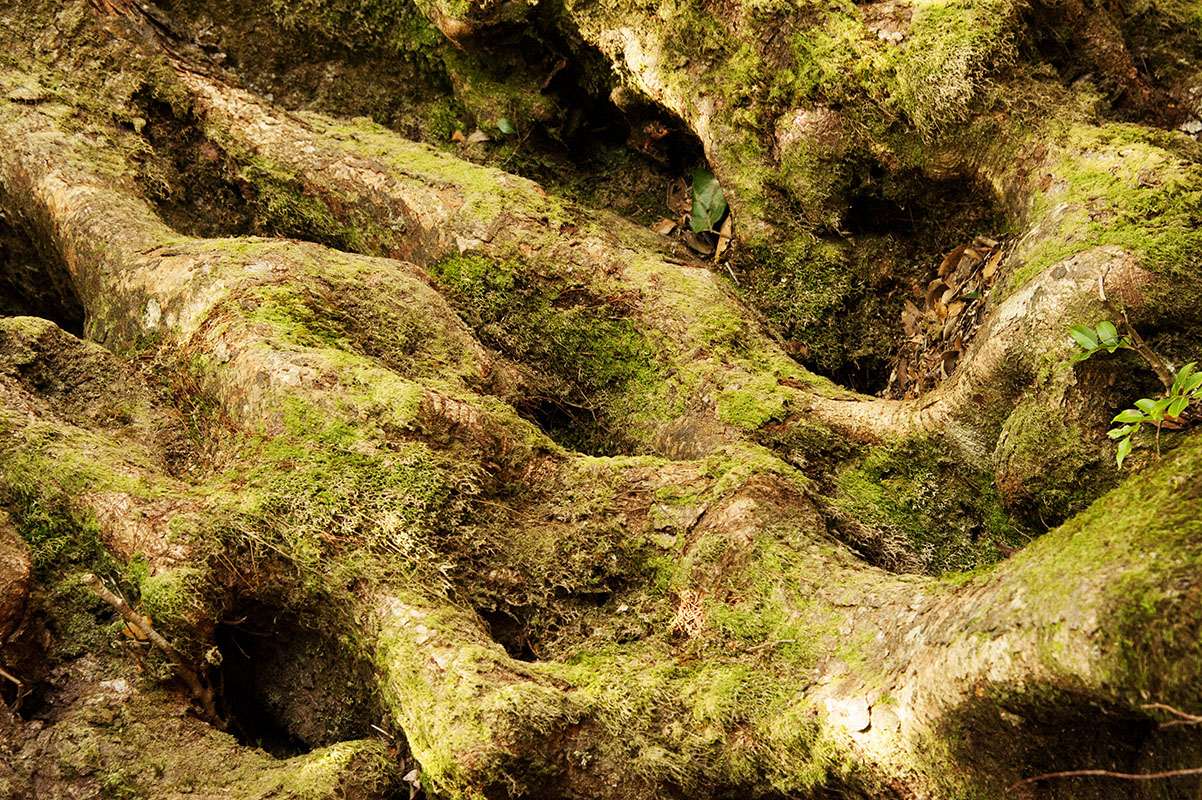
(188, 177)
(841, 315)
(511, 634)
(289, 688)
(34, 280)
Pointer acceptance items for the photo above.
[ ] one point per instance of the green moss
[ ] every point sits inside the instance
(175, 597)
(918, 494)
(1047, 468)
(1121, 185)
(323, 490)
(590, 361)
(393, 26)
(761, 401)
(287, 208)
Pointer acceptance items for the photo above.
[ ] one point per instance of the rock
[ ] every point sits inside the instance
(16, 576)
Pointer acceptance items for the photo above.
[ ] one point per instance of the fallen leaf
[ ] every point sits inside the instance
(949, 359)
(700, 242)
(478, 136)
(723, 238)
(935, 290)
(678, 200)
(951, 261)
(664, 226)
(991, 265)
(457, 136)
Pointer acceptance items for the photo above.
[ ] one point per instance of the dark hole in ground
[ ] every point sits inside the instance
(899, 227)
(289, 688)
(573, 426)
(511, 634)
(34, 281)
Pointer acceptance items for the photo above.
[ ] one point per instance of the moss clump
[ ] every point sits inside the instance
(945, 515)
(1121, 185)
(591, 365)
(285, 207)
(321, 489)
(393, 26)
(1047, 469)
(750, 407)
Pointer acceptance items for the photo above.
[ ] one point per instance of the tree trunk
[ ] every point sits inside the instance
(427, 467)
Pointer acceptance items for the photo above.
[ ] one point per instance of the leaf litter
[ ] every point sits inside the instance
(953, 307)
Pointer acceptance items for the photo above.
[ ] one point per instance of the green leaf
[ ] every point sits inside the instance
(1182, 377)
(1193, 383)
(1121, 344)
(1146, 405)
(1084, 337)
(1177, 406)
(1118, 433)
(1107, 333)
(505, 126)
(1123, 451)
(709, 205)
(1130, 415)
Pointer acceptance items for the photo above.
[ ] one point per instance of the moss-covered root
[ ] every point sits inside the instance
(113, 735)
(82, 435)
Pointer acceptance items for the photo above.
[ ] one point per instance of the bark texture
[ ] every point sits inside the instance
(427, 467)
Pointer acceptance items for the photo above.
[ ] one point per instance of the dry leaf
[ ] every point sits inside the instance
(935, 290)
(680, 197)
(478, 136)
(723, 238)
(457, 136)
(951, 261)
(954, 309)
(991, 265)
(664, 226)
(701, 243)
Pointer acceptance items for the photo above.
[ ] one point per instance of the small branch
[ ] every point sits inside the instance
(5, 674)
(1137, 343)
(202, 693)
(1105, 773)
(1182, 717)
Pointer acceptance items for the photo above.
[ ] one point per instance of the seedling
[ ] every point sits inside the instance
(1187, 386)
(1095, 340)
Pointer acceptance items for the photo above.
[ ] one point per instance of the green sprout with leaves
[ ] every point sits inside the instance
(1095, 340)
(1185, 388)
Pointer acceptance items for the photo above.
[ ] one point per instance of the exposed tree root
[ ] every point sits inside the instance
(510, 599)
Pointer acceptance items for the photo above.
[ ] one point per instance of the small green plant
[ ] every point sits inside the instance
(709, 204)
(1095, 340)
(1187, 386)
(1182, 388)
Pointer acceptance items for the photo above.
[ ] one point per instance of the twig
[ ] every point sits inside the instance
(202, 693)
(5, 674)
(1138, 345)
(1183, 718)
(1105, 773)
